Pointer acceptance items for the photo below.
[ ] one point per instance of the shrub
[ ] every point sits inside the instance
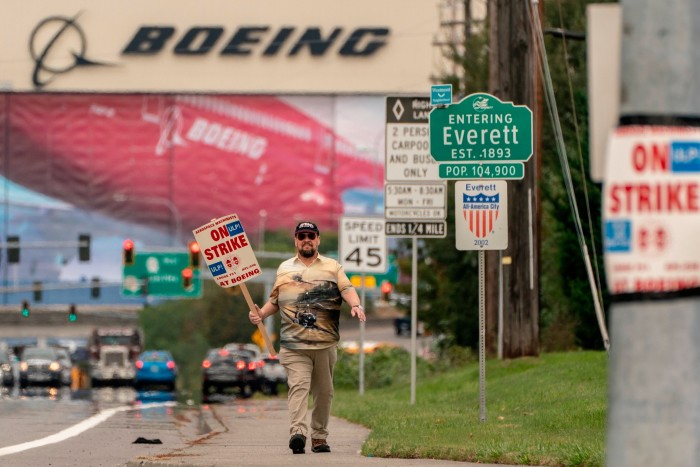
(385, 366)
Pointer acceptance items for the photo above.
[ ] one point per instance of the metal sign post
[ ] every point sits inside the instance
(363, 249)
(362, 341)
(482, 336)
(415, 207)
(414, 316)
(481, 223)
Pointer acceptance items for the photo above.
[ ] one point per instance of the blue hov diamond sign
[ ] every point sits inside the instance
(441, 94)
(481, 128)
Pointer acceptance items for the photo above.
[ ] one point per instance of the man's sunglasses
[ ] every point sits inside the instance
(304, 236)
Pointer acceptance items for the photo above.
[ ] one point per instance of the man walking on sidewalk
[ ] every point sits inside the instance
(309, 290)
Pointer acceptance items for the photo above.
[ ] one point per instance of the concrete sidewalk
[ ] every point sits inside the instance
(255, 433)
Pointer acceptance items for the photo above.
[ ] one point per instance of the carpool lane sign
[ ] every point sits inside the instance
(408, 141)
(481, 128)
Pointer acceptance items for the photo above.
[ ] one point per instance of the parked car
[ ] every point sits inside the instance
(40, 366)
(157, 368)
(253, 351)
(66, 366)
(402, 326)
(273, 374)
(224, 370)
(6, 372)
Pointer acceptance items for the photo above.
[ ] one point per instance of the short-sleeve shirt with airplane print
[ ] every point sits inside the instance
(309, 299)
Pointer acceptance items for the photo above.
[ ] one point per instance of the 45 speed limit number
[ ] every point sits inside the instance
(363, 244)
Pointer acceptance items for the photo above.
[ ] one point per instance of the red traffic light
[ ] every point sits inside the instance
(128, 256)
(187, 278)
(386, 287)
(194, 254)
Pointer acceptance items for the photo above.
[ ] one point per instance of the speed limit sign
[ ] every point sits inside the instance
(363, 244)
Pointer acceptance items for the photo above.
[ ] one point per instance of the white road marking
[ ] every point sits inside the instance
(75, 430)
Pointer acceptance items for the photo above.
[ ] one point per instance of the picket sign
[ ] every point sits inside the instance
(231, 259)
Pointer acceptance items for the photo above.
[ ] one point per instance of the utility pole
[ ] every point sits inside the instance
(513, 76)
(654, 375)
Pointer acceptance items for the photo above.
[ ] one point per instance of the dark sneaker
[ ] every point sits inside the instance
(297, 443)
(319, 445)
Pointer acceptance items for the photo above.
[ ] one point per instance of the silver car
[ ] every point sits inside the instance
(39, 366)
(273, 374)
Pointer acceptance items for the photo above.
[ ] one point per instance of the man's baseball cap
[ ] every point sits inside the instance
(306, 227)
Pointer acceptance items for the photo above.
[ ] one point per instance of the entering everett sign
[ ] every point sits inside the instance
(481, 128)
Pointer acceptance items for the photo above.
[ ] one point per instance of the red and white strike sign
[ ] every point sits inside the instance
(230, 258)
(651, 202)
(227, 252)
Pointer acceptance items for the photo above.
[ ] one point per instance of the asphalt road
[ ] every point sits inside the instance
(60, 427)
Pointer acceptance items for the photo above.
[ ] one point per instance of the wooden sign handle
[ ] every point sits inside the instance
(261, 326)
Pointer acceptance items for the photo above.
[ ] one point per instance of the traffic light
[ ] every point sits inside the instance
(84, 247)
(25, 309)
(386, 290)
(95, 287)
(37, 291)
(194, 254)
(144, 285)
(12, 249)
(128, 257)
(72, 314)
(187, 278)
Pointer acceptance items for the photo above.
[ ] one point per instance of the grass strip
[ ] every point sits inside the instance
(547, 411)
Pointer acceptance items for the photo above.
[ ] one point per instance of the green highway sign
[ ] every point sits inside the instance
(481, 128)
(160, 274)
(478, 170)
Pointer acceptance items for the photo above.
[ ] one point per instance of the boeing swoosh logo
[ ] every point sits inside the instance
(58, 45)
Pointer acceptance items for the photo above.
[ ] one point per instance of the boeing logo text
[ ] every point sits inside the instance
(264, 40)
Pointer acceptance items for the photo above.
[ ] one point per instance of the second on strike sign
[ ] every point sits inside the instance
(651, 202)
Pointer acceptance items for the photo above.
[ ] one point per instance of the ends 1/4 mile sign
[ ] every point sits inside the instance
(363, 245)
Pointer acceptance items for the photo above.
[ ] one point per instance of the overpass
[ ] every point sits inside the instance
(52, 320)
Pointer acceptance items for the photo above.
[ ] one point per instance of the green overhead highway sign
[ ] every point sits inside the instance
(161, 275)
(478, 170)
(481, 128)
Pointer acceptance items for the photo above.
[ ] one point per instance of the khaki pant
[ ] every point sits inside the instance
(309, 371)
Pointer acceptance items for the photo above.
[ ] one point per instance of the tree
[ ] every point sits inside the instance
(448, 280)
(567, 312)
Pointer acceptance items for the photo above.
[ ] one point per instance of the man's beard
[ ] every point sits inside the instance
(307, 253)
